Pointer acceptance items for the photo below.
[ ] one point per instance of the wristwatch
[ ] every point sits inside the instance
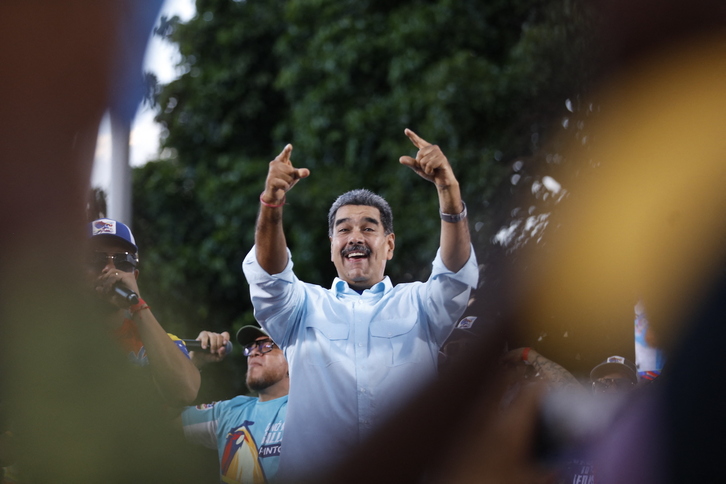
(453, 218)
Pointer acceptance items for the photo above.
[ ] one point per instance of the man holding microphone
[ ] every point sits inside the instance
(112, 268)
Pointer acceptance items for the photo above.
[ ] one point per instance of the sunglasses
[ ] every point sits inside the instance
(123, 261)
(263, 346)
(620, 384)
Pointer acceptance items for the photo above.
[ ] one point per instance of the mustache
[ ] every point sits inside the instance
(355, 248)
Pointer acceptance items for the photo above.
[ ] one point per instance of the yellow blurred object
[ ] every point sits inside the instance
(651, 223)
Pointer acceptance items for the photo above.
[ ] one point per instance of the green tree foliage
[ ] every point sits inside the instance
(340, 80)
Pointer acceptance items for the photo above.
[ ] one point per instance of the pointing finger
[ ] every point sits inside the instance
(417, 141)
(284, 155)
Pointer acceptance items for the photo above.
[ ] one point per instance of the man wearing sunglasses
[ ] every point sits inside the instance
(246, 431)
(614, 375)
(112, 261)
(360, 349)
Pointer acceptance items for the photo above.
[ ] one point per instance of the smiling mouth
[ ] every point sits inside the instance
(356, 255)
(356, 252)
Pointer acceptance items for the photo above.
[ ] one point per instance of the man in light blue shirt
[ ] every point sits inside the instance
(357, 350)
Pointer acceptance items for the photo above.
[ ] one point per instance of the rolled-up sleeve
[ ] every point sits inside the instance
(447, 294)
(275, 297)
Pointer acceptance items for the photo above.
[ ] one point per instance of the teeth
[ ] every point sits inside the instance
(356, 254)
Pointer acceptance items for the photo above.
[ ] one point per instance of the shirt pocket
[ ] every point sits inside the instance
(325, 342)
(395, 340)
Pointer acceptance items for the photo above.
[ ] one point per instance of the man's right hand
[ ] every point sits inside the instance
(106, 281)
(281, 177)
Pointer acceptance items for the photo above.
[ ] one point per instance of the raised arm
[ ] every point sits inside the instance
(175, 375)
(270, 244)
(431, 164)
(547, 370)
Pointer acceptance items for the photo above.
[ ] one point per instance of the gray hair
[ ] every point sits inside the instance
(362, 196)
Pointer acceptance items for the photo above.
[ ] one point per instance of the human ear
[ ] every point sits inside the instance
(391, 241)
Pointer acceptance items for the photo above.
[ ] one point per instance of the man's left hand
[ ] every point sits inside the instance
(430, 162)
(216, 342)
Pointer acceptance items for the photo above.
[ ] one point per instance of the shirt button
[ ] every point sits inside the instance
(360, 344)
(362, 390)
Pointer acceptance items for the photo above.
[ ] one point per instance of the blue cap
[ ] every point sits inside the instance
(107, 228)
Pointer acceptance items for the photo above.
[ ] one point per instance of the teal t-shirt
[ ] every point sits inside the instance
(247, 434)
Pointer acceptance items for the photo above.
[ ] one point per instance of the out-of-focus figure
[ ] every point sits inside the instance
(79, 415)
(112, 265)
(614, 375)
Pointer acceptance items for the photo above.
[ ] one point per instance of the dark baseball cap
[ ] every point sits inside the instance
(615, 364)
(248, 334)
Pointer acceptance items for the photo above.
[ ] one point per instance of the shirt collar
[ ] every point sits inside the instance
(341, 287)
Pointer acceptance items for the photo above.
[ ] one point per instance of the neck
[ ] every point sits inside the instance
(279, 389)
(359, 288)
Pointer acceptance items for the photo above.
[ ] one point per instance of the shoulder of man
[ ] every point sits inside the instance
(235, 403)
(180, 344)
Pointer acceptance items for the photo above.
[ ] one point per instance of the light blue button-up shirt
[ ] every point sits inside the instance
(353, 358)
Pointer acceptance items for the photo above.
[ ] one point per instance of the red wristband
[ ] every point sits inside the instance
(270, 205)
(525, 354)
(138, 307)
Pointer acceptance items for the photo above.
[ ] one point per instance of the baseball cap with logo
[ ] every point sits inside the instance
(465, 328)
(113, 229)
(615, 364)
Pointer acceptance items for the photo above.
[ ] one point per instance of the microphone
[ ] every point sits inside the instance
(126, 294)
(196, 345)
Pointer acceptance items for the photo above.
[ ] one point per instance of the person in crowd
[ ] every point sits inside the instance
(520, 365)
(360, 348)
(460, 340)
(528, 362)
(611, 381)
(246, 431)
(614, 375)
(112, 268)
